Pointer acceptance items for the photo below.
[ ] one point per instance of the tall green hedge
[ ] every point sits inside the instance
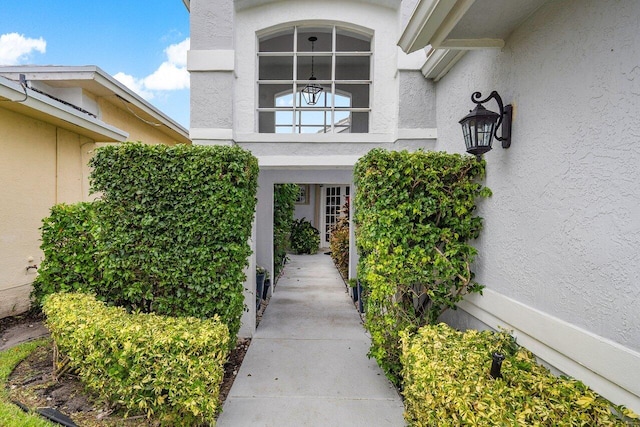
(169, 235)
(415, 217)
(175, 225)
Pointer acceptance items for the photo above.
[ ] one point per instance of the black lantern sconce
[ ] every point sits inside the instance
(481, 125)
(311, 92)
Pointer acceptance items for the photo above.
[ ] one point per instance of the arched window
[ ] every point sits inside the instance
(341, 64)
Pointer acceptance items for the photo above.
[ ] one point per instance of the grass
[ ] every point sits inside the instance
(10, 414)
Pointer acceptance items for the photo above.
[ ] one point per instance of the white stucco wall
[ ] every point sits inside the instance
(559, 250)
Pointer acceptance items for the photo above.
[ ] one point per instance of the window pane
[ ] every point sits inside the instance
(266, 121)
(322, 44)
(353, 67)
(321, 67)
(350, 41)
(359, 94)
(276, 68)
(279, 42)
(360, 122)
(323, 98)
(267, 94)
(316, 118)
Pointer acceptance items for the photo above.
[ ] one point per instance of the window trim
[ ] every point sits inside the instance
(297, 83)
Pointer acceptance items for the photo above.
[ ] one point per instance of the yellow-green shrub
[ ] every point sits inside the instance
(447, 383)
(169, 367)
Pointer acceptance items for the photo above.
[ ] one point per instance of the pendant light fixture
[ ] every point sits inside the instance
(311, 92)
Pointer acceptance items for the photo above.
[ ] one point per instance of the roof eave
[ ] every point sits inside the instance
(47, 109)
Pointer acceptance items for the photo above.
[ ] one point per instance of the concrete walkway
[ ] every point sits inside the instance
(307, 364)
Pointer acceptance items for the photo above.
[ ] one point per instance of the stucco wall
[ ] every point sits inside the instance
(40, 165)
(562, 229)
(137, 128)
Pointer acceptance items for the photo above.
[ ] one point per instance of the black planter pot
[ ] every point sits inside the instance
(259, 288)
(354, 293)
(265, 292)
(360, 301)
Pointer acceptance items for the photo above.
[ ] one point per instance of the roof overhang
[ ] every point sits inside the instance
(187, 4)
(42, 107)
(98, 82)
(462, 25)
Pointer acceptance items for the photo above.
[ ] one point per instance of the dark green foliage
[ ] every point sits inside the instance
(175, 224)
(69, 245)
(169, 236)
(305, 238)
(284, 201)
(414, 216)
(339, 242)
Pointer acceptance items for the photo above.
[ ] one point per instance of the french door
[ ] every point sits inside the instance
(333, 199)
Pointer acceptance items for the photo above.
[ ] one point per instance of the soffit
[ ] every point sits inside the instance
(247, 4)
(462, 25)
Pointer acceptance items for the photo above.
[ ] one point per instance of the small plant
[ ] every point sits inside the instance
(305, 238)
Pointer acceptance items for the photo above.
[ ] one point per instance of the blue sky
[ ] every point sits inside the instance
(142, 43)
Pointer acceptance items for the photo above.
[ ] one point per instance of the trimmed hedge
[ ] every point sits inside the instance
(69, 243)
(169, 236)
(167, 367)
(414, 214)
(447, 383)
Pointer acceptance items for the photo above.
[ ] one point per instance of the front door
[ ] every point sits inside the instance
(333, 198)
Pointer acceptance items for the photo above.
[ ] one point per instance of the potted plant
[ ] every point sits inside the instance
(305, 238)
(353, 284)
(261, 274)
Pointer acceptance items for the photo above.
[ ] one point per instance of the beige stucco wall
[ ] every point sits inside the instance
(40, 165)
(137, 128)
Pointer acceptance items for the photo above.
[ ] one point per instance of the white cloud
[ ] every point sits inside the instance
(136, 85)
(172, 74)
(16, 48)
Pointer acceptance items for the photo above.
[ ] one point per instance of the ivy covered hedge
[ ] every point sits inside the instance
(69, 243)
(167, 367)
(414, 214)
(284, 204)
(447, 383)
(171, 231)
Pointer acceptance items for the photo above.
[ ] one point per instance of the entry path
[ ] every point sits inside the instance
(307, 364)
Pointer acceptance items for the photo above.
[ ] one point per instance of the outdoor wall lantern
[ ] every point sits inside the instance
(311, 92)
(481, 125)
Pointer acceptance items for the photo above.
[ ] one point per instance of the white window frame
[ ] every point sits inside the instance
(297, 84)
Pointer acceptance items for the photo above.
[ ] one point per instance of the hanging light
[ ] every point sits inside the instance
(481, 125)
(311, 92)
